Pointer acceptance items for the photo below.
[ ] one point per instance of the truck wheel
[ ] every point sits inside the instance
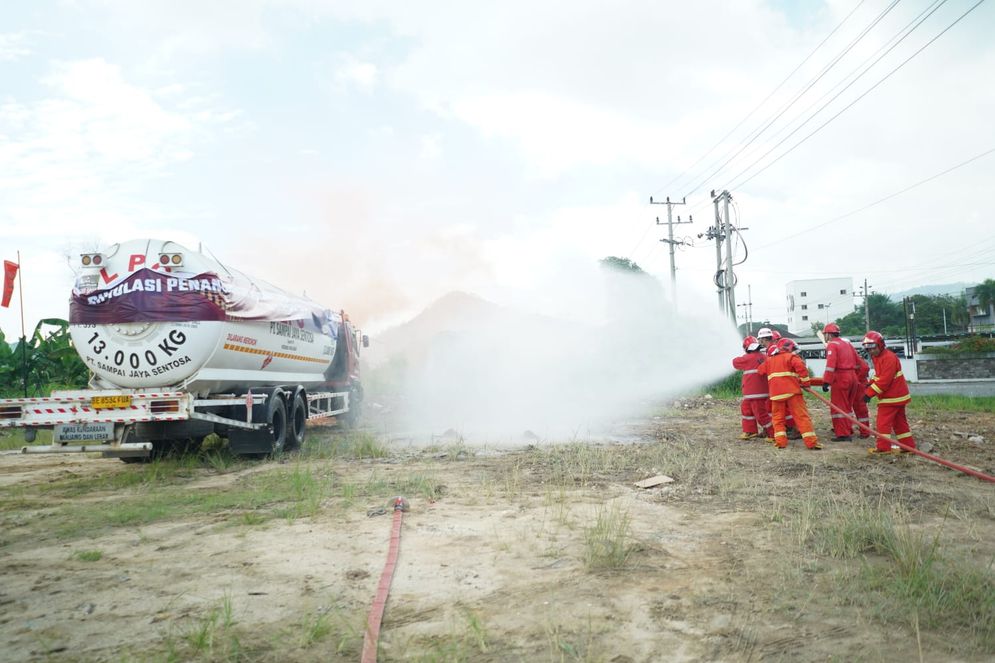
(298, 422)
(277, 417)
(263, 442)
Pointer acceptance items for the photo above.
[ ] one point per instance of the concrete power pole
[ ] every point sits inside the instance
(730, 276)
(670, 238)
(748, 306)
(867, 310)
(716, 232)
(725, 278)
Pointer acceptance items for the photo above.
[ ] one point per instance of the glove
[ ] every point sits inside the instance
(867, 399)
(825, 387)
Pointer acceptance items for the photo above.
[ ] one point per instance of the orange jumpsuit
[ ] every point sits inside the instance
(841, 376)
(892, 392)
(859, 406)
(755, 407)
(786, 373)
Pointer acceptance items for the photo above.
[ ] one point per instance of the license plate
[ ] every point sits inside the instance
(83, 432)
(108, 402)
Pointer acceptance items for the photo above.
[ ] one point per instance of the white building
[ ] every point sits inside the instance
(818, 301)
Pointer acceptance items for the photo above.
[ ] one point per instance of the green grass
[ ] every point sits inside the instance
(728, 387)
(465, 641)
(905, 574)
(159, 472)
(952, 403)
(290, 493)
(703, 466)
(14, 439)
(923, 588)
(88, 555)
(843, 528)
(213, 637)
(162, 490)
(607, 543)
(352, 444)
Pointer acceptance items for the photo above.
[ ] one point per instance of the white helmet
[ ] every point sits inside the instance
(765, 332)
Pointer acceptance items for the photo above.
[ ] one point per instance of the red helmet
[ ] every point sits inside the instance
(772, 349)
(776, 335)
(787, 345)
(873, 338)
(831, 328)
(750, 343)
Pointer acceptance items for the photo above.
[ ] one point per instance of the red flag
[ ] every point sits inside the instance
(9, 274)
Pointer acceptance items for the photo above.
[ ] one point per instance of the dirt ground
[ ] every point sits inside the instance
(501, 559)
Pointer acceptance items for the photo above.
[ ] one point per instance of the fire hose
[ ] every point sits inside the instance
(372, 635)
(936, 459)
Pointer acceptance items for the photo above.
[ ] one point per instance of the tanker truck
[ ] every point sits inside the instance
(181, 345)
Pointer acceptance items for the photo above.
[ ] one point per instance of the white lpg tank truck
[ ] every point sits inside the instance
(181, 346)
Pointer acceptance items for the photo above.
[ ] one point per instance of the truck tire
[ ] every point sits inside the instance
(298, 422)
(267, 441)
(276, 416)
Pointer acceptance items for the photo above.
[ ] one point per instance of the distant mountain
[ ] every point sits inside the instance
(931, 290)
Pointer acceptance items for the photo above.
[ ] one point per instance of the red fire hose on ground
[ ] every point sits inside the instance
(936, 459)
(372, 636)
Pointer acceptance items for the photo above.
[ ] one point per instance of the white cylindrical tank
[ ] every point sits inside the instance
(154, 314)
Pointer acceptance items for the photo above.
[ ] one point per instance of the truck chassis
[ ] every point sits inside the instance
(110, 420)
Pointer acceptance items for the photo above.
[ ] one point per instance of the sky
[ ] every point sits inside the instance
(376, 155)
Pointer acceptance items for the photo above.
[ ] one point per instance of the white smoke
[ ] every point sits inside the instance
(614, 347)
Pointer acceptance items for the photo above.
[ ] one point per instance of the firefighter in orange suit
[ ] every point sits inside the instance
(768, 339)
(786, 374)
(859, 405)
(892, 392)
(841, 376)
(755, 408)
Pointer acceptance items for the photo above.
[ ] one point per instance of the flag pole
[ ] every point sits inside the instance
(24, 348)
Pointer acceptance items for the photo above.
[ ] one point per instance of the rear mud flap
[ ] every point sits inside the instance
(246, 442)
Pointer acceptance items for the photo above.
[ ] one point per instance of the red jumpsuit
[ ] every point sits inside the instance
(893, 395)
(859, 406)
(786, 373)
(841, 376)
(755, 407)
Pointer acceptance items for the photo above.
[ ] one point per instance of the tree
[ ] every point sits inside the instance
(886, 316)
(621, 264)
(985, 292)
(960, 314)
(51, 359)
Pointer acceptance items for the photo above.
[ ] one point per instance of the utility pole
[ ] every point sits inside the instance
(730, 277)
(670, 238)
(867, 310)
(725, 279)
(749, 311)
(716, 232)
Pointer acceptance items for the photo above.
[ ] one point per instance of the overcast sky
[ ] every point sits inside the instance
(379, 154)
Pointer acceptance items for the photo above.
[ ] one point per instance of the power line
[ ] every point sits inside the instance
(760, 105)
(739, 184)
(832, 92)
(640, 242)
(880, 200)
(937, 266)
(766, 124)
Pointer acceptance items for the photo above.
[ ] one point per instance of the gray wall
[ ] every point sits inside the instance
(972, 367)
